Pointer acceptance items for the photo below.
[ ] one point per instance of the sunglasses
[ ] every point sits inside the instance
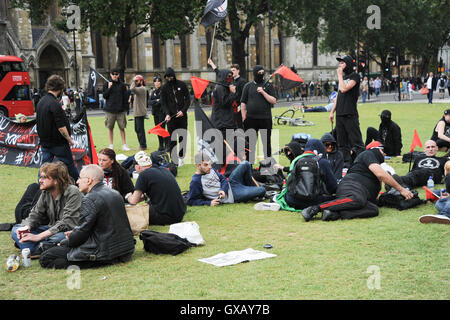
(115, 74)
(328, 145)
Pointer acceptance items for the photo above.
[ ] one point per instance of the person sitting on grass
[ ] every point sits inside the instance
(326, 108)
(103, 235)
(210, 188)
(443, 204)
(116, 176)
(441, 132)
(56, 211)
(333, 154)
(389, 134)
(166, 202)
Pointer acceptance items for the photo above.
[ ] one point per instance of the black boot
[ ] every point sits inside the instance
(328, 215)
(310, 212)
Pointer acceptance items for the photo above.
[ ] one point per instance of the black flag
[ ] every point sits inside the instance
(215, 11)
(92, 84)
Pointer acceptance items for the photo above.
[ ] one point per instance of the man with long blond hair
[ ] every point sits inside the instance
(56, 211)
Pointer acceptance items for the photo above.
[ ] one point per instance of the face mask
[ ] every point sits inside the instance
(259, 78)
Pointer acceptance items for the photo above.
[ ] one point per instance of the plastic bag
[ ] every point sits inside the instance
(189, 231)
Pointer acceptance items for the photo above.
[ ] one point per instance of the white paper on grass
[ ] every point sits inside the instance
(235, 257)
(387, 168)
(121, 157)
(189, 231)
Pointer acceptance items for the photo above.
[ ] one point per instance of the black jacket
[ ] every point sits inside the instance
(104, 232)
(155, 102)
(222, 115)
(393, 138)
(116, 97)
(174, 95)
(335, 156)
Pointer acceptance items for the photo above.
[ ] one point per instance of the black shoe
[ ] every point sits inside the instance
(328, 215)
(310, 212)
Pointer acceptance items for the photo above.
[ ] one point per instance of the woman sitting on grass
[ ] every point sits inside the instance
(116, 177)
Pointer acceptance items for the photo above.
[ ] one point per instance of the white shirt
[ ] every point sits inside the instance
(430, 83)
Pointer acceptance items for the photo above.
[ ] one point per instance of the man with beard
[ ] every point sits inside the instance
(175, 101)
(257, 100)
(56, 211)
(349, 138)
(389, 134)
(357, 192)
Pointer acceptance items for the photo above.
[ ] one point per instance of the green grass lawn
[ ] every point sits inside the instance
(315, 260)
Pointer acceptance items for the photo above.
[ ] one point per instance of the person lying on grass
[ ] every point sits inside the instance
(210, 188)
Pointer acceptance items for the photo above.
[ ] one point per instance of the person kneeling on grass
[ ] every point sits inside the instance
(103, 235)
(210, 188)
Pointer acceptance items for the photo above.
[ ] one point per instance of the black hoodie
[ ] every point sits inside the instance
(174, 95)
(335, 156)
(222, 112)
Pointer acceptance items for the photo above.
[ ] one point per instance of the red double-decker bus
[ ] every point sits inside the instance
(15, 93)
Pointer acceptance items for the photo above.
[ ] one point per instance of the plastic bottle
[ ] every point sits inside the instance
(430, 183)
(12, 263)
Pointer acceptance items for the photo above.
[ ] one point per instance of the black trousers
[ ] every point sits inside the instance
(442, 143)
(172, 125)
(372, 134)
(56, 257)
(156, 218)
(139, 128)
(417, 178)
(351, 201)
(258, 124)
(349, 138)
(163, 142)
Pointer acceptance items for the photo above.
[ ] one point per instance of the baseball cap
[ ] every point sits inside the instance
(375, 145)
(446, 112)
(349, 61)
(142, 159)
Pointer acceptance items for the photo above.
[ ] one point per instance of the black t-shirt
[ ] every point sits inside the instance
(360, 171)
(256, 105)
(49, 118)
(163, 190)
(346, 102)
(434, 164)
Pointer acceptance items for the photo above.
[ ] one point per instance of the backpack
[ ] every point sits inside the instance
(164, 243)
(393, 199)
(303, 181)
(442, 83)
(161, 159)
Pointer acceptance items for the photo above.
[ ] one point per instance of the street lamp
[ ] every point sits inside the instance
(73, 24)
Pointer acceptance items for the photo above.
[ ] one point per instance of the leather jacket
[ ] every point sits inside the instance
(104, 232)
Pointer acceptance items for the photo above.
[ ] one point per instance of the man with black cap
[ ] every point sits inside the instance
(258, 97)
(441, 132)
(349, 138)
(357, 192)
(389, 134)
(175, 101)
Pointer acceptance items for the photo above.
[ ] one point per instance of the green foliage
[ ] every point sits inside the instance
(315, 260)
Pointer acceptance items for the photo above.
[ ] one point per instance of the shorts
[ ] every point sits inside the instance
(111, 118)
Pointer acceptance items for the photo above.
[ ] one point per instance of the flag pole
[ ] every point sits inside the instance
(212, 41)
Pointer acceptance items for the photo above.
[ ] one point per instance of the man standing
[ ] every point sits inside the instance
(166, 203)
(139, 109)
(158, 114)
(115, 93)
(239, 83)
(377, 86)
(175, 101)
(357, 192)
(103, 235)
(348, 133)
(431, 83)
(53, 127)
(56, 211)
(257, 100)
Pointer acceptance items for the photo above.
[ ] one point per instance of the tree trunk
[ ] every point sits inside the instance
(123, 42)
(239, 54)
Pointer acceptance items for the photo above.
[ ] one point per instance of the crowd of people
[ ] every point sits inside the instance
(80, 218)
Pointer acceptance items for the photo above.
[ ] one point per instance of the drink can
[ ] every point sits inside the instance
(344, 172)
(12, 263)
(26, 257)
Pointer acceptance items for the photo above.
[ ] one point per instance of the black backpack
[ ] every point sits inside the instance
(442, 83)
(393, 199)
(161, 159)
(164, 243)
(304, 181)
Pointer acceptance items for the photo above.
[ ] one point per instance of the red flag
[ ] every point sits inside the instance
(159, 131)
(199, 85)
(289, 79)
(416, 141)
(430, 195)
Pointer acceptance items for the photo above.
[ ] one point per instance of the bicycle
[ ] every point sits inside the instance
(287, 117)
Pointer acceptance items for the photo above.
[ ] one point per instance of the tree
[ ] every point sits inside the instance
(126, 19)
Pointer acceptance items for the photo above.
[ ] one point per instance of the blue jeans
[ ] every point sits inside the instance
(430, 96)
(443, 206)
(364, 96)
(62, 153)
(377, 91)
(56, 238)
(242, 184)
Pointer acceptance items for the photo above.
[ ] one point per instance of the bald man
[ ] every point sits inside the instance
(103, 235)
(425, 166)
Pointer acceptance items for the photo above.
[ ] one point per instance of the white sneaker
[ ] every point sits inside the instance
(125, 148)
(435, 218)
(111, 146)
(267, 206)
(180, 162)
